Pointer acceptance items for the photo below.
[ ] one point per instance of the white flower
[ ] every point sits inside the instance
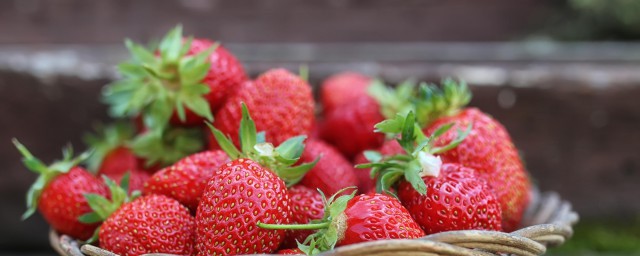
(430, 164)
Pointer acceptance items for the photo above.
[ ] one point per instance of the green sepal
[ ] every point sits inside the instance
(102, 207)
(388, 170)
(279, 160)
(432, 102)
(326, 236)
(46, 173)
(303, 72)
(155, 86)
(106, 139)
(392, 101)
(167, 146)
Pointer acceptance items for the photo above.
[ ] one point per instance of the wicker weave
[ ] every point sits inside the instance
(548, 223)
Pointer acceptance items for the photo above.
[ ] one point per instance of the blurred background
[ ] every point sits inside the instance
(563, 76)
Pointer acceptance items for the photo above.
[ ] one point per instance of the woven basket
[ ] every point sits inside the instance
(548, 223)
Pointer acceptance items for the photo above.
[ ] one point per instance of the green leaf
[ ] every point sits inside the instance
(291, 148)
(373, 156)
(90, 218)
(293, 175)
(124, 181)
(391, 125)
(412, 175)
(340, 204)
(225, 143)
(303, 72)
(247, 131)
(171, 45)
(261, 137)
(199, 106)
(459, 138)
(139, 52)
(99, 204)
(407, 138)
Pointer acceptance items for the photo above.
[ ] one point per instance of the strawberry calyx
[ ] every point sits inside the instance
(103, 207)
(393, 100)
(280, 159)
(432, 102)
(419, 159)
(105, 140)
(168, 145)
(156, 85)
(46, 173)
(331, 227)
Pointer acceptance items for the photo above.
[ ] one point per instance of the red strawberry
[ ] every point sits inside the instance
(184, 82)
(365, 182)
(137, 179)
(488, 149)
(186, 180)
(58, 192)
(240, 194)
(111, 155)
(331, 173)
(244, 192)
(282, 104)
(149, 224)
(306, 205)
(342, 88)
(456, 200)
(295, 251)
(350, 127)
(363, 218)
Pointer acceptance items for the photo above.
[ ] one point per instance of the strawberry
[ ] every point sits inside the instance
(342, 88)
(349, 127)
(306, 205)
(183, 83)
(186, 180)
(332, 173)
(282, 104)
(349, 220)
(137, 179)
(149, 224)
(295, 251)
(58, 192)
(455, 200)
(488, 149)
(249, 189)
(365, 182)
(111, 154)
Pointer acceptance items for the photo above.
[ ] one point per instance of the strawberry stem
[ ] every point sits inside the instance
(295, 226)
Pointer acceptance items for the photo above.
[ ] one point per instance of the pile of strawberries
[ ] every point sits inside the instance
(206, 161)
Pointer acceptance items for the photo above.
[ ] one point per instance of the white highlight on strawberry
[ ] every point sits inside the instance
(430, 164)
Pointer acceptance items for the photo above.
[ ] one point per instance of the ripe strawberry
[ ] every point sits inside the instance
(183, 82)
(488, 149)
(295, 251)
(111, 154)
(350, 127)
(350, 220)
(282, 104)
(135, 226)
(243, 192)
(342, 88)
(331, 173)
(58, 192)
(456, 200)
(186, 180)
(306, 205)
(365, 182)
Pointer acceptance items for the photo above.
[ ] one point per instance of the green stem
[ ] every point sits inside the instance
(294, 226)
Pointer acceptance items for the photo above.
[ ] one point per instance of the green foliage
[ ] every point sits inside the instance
(155, 86)
(279, 159)
(599, 236)
(167, 146)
